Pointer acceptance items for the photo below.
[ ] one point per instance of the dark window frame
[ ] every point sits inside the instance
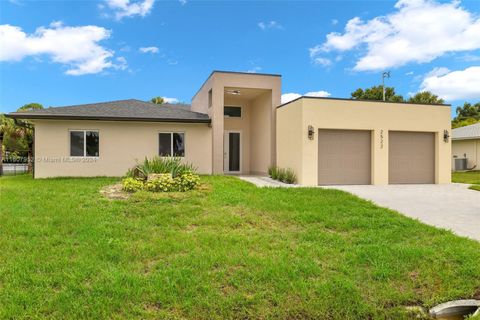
(235, 117)
(210, 98)
(172, 154)
(84, 132)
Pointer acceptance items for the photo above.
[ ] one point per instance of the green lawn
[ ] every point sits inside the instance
(470, 177)
(227, 251)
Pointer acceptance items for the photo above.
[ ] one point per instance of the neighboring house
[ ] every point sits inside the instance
(466, 145)
(237, 125)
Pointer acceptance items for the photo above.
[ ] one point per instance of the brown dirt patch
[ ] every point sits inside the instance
(114, 192)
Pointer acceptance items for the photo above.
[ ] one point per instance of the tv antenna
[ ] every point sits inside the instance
(385, 74)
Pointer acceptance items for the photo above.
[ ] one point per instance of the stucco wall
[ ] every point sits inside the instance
(290, 138)
(121, 144)
(217, 82)
(262, 126)
(470, 148)
(374, 116)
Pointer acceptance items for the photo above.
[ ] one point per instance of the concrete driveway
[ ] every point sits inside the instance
(450, 206)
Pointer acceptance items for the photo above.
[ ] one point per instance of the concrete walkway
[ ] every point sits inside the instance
(450, 206)
(263, 181)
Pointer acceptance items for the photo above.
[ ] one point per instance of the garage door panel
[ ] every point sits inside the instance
(411, 157)
(344, 157)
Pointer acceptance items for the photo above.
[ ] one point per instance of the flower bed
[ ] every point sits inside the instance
(161, 175)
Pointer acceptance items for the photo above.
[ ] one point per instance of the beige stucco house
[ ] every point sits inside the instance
(237, 125)
(466, 148)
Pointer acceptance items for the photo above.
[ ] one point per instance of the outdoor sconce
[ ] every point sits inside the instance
(446, 135)
(311, 132)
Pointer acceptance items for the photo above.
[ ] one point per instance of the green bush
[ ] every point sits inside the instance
(289, 176)
(280, 174)
(283, 175)
(171, 165)
(187, 181)
(132, 184)
(273, 172)
(163, 183)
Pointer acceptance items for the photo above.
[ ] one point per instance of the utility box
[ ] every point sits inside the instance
(461, 164)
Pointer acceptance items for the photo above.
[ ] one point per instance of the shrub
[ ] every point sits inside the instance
(187, 181)
(164, 183)
(289, 176)
(132, 184)
(171, 165)
(273, 172)
(283, 175)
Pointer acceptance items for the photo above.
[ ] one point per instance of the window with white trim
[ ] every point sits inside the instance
(171, 144)
(84, 143)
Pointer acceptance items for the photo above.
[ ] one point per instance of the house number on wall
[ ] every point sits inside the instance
(381, 139)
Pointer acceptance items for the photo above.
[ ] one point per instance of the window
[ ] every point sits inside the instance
(232, 112)
(171, 144)
(210, 98)
(84, 143)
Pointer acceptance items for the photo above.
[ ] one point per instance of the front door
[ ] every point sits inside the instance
(231, 152)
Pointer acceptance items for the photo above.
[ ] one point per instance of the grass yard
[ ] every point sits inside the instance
(226, 251)
(470, 177)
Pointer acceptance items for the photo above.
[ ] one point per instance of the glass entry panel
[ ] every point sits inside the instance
(232, 151)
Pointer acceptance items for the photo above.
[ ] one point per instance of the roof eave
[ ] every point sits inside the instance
(363, 100)
(96, 118)
(466, 138)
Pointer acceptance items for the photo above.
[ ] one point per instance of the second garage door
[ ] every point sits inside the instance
(344, 157)
(411, 157)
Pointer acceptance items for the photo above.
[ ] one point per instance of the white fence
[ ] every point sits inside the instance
(14, 168)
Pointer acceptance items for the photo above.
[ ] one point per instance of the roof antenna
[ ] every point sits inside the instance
(385, 74)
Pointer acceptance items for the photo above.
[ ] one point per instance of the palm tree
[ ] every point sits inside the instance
(6, 128)
(23, 129)
(157, 100)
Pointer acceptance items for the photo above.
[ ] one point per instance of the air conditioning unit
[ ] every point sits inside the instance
(461, 164)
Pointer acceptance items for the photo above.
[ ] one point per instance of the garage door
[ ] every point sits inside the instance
(411, 157)
(344, 157)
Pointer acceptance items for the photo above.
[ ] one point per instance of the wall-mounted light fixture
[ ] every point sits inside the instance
(446, 135)
(311, 132)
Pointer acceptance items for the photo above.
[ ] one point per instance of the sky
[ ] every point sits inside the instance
(61, 53)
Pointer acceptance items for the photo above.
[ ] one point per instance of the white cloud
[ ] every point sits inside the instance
(270, 25)
(287, 97)
(121, 63)
(334, 21)
(322, 61)
(148, 50)
(254, 69)
(170, 100)
(320, 93)
(127, 8)
(454, 85)
(437, 72)
(183, 2)
(76, 47)
(417, 31)
(471, 58)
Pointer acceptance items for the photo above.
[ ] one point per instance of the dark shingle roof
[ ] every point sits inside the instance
(121, 110)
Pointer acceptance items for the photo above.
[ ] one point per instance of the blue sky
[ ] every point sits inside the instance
(72, 52)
